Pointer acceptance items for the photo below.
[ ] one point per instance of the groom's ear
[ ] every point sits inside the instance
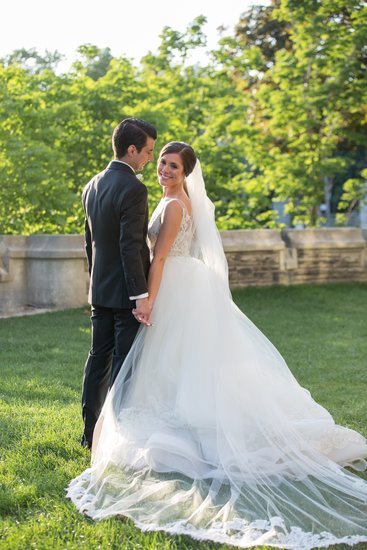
(131, 150)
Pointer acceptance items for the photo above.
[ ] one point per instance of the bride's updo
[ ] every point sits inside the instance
(185, 151)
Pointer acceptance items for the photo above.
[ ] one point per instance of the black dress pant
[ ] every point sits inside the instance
(113, 332)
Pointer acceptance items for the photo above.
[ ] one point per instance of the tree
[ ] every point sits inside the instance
(55, 134)
(278, 114)
(259, 28)
(35, 195)
(93, 61)
(305, 109)
(32, 61)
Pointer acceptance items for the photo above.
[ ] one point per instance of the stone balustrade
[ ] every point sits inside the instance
(50, 271)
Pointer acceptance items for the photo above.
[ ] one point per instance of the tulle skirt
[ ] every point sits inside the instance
(206, 432)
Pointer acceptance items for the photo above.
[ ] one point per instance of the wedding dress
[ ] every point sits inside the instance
(207, 433)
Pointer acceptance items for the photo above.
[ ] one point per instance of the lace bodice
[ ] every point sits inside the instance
(182, 243)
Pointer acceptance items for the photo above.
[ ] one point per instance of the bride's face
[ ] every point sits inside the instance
(170, 170)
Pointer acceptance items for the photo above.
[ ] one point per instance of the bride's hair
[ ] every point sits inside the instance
(185, 151)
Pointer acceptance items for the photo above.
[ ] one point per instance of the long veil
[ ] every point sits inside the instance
(206, 432)
(207, 243)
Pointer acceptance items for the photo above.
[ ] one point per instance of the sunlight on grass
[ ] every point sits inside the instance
(320, 330)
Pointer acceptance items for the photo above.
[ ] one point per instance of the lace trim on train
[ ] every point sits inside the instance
(237, 532)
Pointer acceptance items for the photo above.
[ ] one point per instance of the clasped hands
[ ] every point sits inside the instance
(143, 311)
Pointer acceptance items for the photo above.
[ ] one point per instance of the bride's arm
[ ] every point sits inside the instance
(171, 222)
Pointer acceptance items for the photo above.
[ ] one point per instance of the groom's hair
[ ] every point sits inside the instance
(131, 131)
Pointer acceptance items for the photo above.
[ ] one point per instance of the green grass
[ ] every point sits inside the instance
(320, 330)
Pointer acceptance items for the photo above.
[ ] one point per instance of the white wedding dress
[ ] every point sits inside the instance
(207, 433)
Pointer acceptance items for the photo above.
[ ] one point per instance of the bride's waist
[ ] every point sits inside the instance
(179, 255)
(181, 258)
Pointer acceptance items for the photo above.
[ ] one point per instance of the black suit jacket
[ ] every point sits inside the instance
(116, 221)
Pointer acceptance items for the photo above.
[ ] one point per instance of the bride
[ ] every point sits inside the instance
(205, 431)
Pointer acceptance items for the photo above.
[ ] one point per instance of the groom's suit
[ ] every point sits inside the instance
(116, 221)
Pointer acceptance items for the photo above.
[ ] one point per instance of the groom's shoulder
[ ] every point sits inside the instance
(123, 180)
(95, 179)
(117, 180)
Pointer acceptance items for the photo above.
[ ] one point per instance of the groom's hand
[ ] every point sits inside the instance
(142, 311)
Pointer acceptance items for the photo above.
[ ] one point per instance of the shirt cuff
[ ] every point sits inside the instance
(145, 295)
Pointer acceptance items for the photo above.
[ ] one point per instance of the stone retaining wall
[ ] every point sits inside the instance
(327, 255)
(255, 257)
(50, 271)
(42, 271)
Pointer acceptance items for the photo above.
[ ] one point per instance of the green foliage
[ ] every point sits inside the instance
(32, 61)
(320, 330)
(94, 62)
(308, 87)
(35, 191)
(355, 189)
(278, 114)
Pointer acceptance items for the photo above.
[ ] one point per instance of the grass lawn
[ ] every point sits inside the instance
(320, 330)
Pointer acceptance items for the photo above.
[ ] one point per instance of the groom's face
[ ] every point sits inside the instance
(144, 156)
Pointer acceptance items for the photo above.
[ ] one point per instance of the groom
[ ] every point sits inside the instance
(116, 220)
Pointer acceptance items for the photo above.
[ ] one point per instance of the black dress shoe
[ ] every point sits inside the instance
(85, 443)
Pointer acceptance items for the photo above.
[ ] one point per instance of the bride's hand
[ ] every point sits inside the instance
(142, 311)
